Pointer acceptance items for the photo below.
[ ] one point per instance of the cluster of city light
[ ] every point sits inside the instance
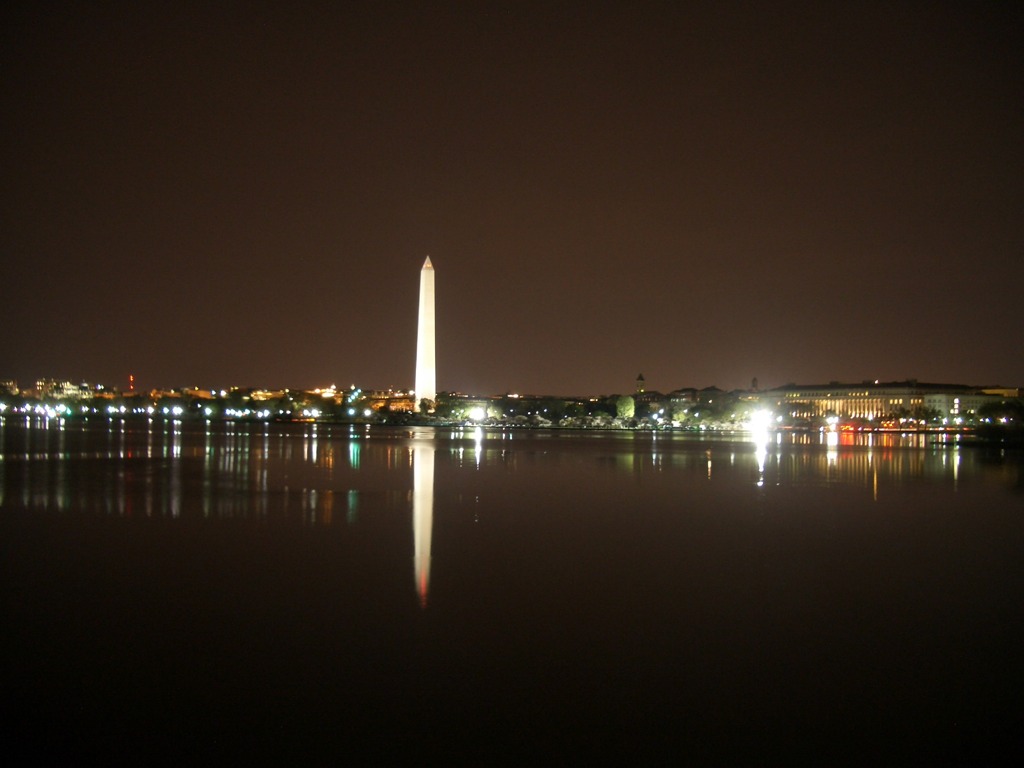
(120, 410)
(49, 411)
(244, 413)
(323, 403)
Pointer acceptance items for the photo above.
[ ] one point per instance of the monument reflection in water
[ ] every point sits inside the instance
(422, 515)
(177, 587)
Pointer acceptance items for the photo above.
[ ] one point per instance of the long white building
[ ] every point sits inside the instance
(873, 400)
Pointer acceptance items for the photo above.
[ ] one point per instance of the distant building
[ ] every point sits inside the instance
(710, 395)
(872, 400)
(649, 401)
(681, 399)
(205, 394)
(1008, 393)
(389, 399)
(459, 405)
(52, 389)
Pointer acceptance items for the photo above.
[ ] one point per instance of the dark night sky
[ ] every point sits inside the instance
(212, 195)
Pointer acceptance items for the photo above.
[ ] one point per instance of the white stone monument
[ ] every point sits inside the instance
(426, 371)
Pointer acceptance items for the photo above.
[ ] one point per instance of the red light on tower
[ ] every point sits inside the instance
(131, 382)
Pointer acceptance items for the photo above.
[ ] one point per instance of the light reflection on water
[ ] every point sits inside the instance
(545, 579)
(292, 472)
(422, 515)
(240, 470)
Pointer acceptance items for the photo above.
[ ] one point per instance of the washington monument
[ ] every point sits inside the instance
(426, 371)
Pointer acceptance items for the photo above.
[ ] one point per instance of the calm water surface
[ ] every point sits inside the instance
(317, 593)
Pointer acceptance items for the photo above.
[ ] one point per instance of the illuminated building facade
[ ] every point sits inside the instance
(61, 390)
(390, 399)
(874, 400)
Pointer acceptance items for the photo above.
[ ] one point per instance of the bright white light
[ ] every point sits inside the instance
(477, 414)
(177, 410)
(208, 411)
(368, 412)
(760, 421)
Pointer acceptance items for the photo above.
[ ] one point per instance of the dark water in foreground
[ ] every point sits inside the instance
(314, 594)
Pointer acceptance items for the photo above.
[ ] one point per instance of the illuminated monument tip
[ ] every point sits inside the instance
(426, 371)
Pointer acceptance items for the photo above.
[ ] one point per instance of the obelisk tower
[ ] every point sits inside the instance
(426, 372)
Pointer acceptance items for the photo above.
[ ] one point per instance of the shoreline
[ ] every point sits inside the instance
(975, 434)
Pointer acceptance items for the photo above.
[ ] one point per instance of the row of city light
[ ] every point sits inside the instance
(758, 421)
(62, 410)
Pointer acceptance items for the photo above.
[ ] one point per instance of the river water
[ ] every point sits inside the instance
(320, 593)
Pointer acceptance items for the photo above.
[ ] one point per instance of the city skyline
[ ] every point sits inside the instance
(208, 196)
(70, 389)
